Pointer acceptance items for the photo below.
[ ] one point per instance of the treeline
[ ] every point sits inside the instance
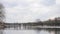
(50, 22)
(54, 22)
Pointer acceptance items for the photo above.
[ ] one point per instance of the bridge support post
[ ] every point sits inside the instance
(22, 27)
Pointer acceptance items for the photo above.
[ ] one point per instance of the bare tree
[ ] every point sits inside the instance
(2, 16)
(1, 13)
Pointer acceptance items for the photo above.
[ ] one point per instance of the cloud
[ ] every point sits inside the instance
(57, 1)
(30, 10)
(48, 2)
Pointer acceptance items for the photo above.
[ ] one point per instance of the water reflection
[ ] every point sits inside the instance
(26, 32)
(42, 31)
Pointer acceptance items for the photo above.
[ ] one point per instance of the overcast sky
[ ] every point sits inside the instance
(30, 10)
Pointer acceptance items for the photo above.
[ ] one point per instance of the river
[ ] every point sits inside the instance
(25, 32)
(12, 31)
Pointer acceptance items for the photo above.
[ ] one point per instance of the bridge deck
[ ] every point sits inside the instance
(45, 26)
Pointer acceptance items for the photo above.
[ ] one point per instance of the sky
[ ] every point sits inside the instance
(22, 11)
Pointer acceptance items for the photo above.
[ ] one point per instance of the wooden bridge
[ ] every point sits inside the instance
(26, 26)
